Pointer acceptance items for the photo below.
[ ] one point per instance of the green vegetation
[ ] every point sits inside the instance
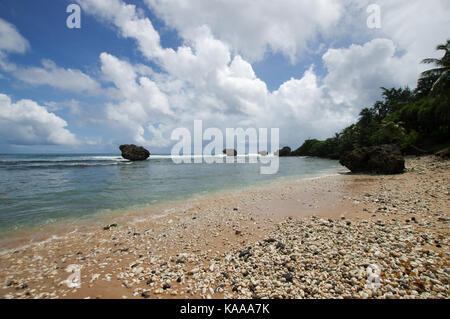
(417, 121)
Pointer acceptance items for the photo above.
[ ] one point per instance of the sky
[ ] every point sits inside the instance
(136, 70)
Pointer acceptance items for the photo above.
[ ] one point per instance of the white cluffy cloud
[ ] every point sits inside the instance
(52, 75)
(27, 123)
(253, 27)
(10, 39)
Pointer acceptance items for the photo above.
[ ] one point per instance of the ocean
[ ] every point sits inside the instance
(44, 189)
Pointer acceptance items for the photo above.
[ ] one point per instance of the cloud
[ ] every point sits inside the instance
(140, 99)
(74, 106)
(131, 23)
(27, 123)
(55, 76)
(417, 27)
(252, 28)
(232, 95)
(11, 40)
(355, 74)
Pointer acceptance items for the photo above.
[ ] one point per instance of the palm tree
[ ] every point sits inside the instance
(442, 72)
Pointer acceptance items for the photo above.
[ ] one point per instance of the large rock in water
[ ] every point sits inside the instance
(230, 152)
(285, 151)
(384, 159)
(134, 153)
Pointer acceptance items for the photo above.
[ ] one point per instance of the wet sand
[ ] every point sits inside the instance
(288, 239)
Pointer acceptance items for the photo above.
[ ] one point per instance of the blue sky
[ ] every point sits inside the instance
(303, 67)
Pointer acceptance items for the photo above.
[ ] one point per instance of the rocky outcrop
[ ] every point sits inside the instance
(384, 159)
(230, 152)
(134, 153)
(284, 152)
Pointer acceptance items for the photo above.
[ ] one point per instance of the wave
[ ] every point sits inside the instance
(68, 165)
(37, 162)
(62, 159)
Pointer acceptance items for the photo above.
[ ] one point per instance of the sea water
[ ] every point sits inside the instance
(41, 189)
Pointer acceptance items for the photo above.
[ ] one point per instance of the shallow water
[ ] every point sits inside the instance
(41, 189)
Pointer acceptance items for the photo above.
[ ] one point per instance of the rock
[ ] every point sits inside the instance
(134, 153)
(194, 271)
(384, 159)
(285, 151)
(229, 152)
(245, 252)
(288, 277)
(109, 226)
(263, 153)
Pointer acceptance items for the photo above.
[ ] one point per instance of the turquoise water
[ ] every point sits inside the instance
(42, 189)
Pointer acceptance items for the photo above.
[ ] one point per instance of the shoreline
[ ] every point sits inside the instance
(35, 235)
(201, 250)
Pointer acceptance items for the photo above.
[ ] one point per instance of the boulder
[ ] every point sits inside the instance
(230, 152)
(384, 159)
(134, 153)
(285, 151)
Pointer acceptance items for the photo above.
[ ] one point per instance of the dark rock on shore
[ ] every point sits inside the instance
(230, 152)
(384, 159)
(284, 152)
(134, 153)
(109, 226)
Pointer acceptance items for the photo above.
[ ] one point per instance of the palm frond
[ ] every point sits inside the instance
(440, 82)
(431, 61)
(442, 73)
(434, 72)
(445, 47)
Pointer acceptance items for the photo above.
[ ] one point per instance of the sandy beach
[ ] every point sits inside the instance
(343, 236)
